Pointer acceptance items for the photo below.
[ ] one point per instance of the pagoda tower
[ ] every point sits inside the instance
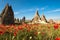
(36, 18)
(43, 18)
(7, 15)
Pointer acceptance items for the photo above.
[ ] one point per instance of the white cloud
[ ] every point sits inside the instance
(17, 12)
(56, 10)
(56, 18)
(42, 8)
(24, 11)
(29, 10)
(37, 8)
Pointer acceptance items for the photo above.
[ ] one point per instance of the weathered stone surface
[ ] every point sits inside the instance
(23, 20)
(43, 18)
(0, 19)
(51, 21)
(16, 20)
(7, 15)
(36, 18)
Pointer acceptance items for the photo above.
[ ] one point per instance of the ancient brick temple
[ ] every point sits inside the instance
(38, 19)
(7, 15)
(43, 18)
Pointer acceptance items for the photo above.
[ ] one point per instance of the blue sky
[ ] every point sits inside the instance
(27, 8)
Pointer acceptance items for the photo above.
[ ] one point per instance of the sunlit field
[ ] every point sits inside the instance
(30, 32)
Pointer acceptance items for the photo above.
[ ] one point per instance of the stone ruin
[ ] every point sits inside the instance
(7, 15)
(51, 21)
(43, 18)
(36, 18)
(23, 20)
(19, 21)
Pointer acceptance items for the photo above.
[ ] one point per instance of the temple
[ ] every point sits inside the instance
(38, 19)
(7, 15)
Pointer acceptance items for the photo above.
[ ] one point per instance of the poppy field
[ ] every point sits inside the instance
(30, 32)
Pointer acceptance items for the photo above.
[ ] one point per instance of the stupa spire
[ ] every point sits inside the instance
(36, 14)
(7, 15)
(43, 18)
(36, 17)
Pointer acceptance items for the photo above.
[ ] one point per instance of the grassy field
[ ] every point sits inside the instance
(30, 32)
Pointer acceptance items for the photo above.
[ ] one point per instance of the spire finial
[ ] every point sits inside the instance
(7, 4)
(36, 12)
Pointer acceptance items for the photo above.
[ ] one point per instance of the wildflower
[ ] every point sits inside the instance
(36, 33)
(15, 33)
(30, 37)
(16, 29)
(7, 27)
(20, 27)
(57, 38)
(55, 26)
(1, 32)
(39, 32)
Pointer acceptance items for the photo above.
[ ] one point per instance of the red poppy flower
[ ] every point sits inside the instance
(57, 38)
(1, 32)
(36, 33)
(56, 26)
(7, 27)
(15, 33)
(20, 27)
(16, 29)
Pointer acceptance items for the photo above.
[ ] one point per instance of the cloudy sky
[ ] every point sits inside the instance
(27, 8)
